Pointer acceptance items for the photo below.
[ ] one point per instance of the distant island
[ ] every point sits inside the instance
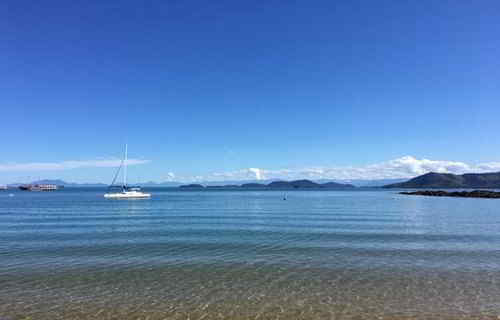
(451, 181)
(296, 184)
(226, 184)
(431, 180)
(192, 186)
(461, 194)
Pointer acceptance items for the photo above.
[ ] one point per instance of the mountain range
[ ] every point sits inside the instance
(237, 183)
(57, 182)
(296, 184)
(428, 180)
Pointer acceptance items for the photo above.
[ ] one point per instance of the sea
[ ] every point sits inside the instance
(246, 254)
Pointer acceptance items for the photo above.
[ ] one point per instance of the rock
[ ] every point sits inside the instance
(462, 194)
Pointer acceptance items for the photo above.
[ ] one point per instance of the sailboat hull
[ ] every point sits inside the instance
(127, 195)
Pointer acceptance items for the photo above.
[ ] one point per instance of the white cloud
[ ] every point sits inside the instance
(170, 176)
(256, 171)
(243, 174)
(404, 167)
(66, 165)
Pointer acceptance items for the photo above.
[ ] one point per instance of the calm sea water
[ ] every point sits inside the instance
(72, 254)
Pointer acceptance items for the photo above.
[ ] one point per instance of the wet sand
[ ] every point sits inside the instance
(251, 292)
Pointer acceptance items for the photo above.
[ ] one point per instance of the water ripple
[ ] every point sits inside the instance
(248, 255)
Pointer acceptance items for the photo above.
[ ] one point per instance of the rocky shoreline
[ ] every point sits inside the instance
(463, 194)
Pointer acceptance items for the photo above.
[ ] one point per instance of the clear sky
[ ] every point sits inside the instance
(203, 87)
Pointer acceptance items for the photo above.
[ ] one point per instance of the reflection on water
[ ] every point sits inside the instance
(248, 255)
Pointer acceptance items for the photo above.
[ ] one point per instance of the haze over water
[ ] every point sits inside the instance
(72, 254)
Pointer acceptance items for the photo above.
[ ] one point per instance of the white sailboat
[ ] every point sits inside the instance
(126, 191)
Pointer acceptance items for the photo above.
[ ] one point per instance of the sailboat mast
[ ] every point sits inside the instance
(125, 168)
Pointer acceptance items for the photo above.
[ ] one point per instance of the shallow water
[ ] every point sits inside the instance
(368, 254)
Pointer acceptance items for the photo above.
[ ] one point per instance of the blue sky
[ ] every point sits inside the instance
(198, 88)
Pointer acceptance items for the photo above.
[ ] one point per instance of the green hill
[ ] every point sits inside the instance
(448, 180)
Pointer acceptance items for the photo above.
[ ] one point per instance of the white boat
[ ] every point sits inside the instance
(126, 192)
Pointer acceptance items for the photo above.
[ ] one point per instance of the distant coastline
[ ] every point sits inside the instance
(431, 180)
(296, 184)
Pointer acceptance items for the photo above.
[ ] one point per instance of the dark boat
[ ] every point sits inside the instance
(39, 187)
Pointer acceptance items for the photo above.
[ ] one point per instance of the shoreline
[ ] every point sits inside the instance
(457, 194)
